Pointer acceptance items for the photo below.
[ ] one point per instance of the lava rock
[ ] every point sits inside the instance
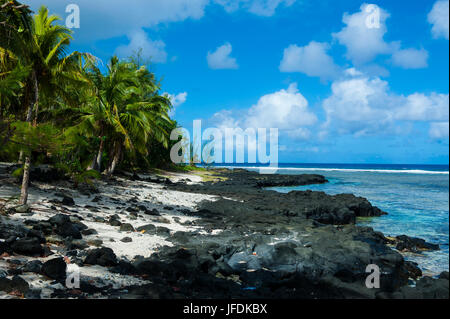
(27, 247)
(55, 269)
(17, 283)
(68, 201)
(126, 228)
(412, 244)
(34, 266)
(102, 257)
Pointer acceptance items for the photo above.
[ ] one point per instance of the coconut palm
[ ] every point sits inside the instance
(42, 47)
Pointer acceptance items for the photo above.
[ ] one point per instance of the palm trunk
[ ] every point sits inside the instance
(97, 160)
(100, 154)
(116, 159)
(26, 169)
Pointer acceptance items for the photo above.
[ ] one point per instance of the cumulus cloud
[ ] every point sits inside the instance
(221, 59)
(364, 105)
(439, 130)
(421, 107)
(155, 50)
(311, 60)
(363, 43)
(259, 7)
(363, 36)
(177, 100)
(438, 18)
(104, 19)
(286, 110)
(410, 58)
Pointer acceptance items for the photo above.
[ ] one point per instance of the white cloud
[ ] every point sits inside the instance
(177, 100)
(286, 110)
(421, 107)
(104, 19)
(221, 59)
(363, 43)
(410, 58)
(259, 7)
(155, 50)
(439, 130)
(311, 59)
(439, 18)
(363, 105)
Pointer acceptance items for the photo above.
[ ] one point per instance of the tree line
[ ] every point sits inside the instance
(59, 107)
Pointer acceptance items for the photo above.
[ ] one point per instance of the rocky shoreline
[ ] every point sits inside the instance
(174, 236)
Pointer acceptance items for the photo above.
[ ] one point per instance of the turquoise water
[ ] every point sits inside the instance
(416, 198)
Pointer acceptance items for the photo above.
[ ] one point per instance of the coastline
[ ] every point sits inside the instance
(220, 238)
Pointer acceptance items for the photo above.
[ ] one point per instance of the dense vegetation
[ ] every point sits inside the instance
(58, 107)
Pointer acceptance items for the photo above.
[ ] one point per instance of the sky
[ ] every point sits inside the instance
(343, 81)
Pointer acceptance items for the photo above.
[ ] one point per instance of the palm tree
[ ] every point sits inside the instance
(138, 114)
(125, 111)
(42, 47)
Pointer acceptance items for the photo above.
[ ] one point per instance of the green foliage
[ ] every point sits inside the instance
(82, 118)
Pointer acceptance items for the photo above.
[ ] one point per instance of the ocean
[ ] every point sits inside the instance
(415, 196)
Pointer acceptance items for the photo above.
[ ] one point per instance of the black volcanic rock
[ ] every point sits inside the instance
(412, 244)
(27, 247)
(55, 269)
(102, 256)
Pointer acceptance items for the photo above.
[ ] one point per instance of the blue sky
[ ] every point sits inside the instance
(341, 85)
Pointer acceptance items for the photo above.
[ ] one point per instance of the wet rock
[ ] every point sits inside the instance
(426, 288)
(412, 244)
(444, 275)
(413, 269)
(55, 269)
(102, 256)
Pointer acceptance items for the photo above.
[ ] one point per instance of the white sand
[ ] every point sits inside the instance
(115, 199)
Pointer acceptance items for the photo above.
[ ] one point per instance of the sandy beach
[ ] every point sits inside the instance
(175, 235)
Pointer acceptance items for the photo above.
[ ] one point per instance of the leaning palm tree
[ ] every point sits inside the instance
(138, 114)
(42, 47)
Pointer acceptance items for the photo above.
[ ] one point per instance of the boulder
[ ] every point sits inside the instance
(102, 257)
(126, 228)
(27, 247)
(34, 266)
(55, 269)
